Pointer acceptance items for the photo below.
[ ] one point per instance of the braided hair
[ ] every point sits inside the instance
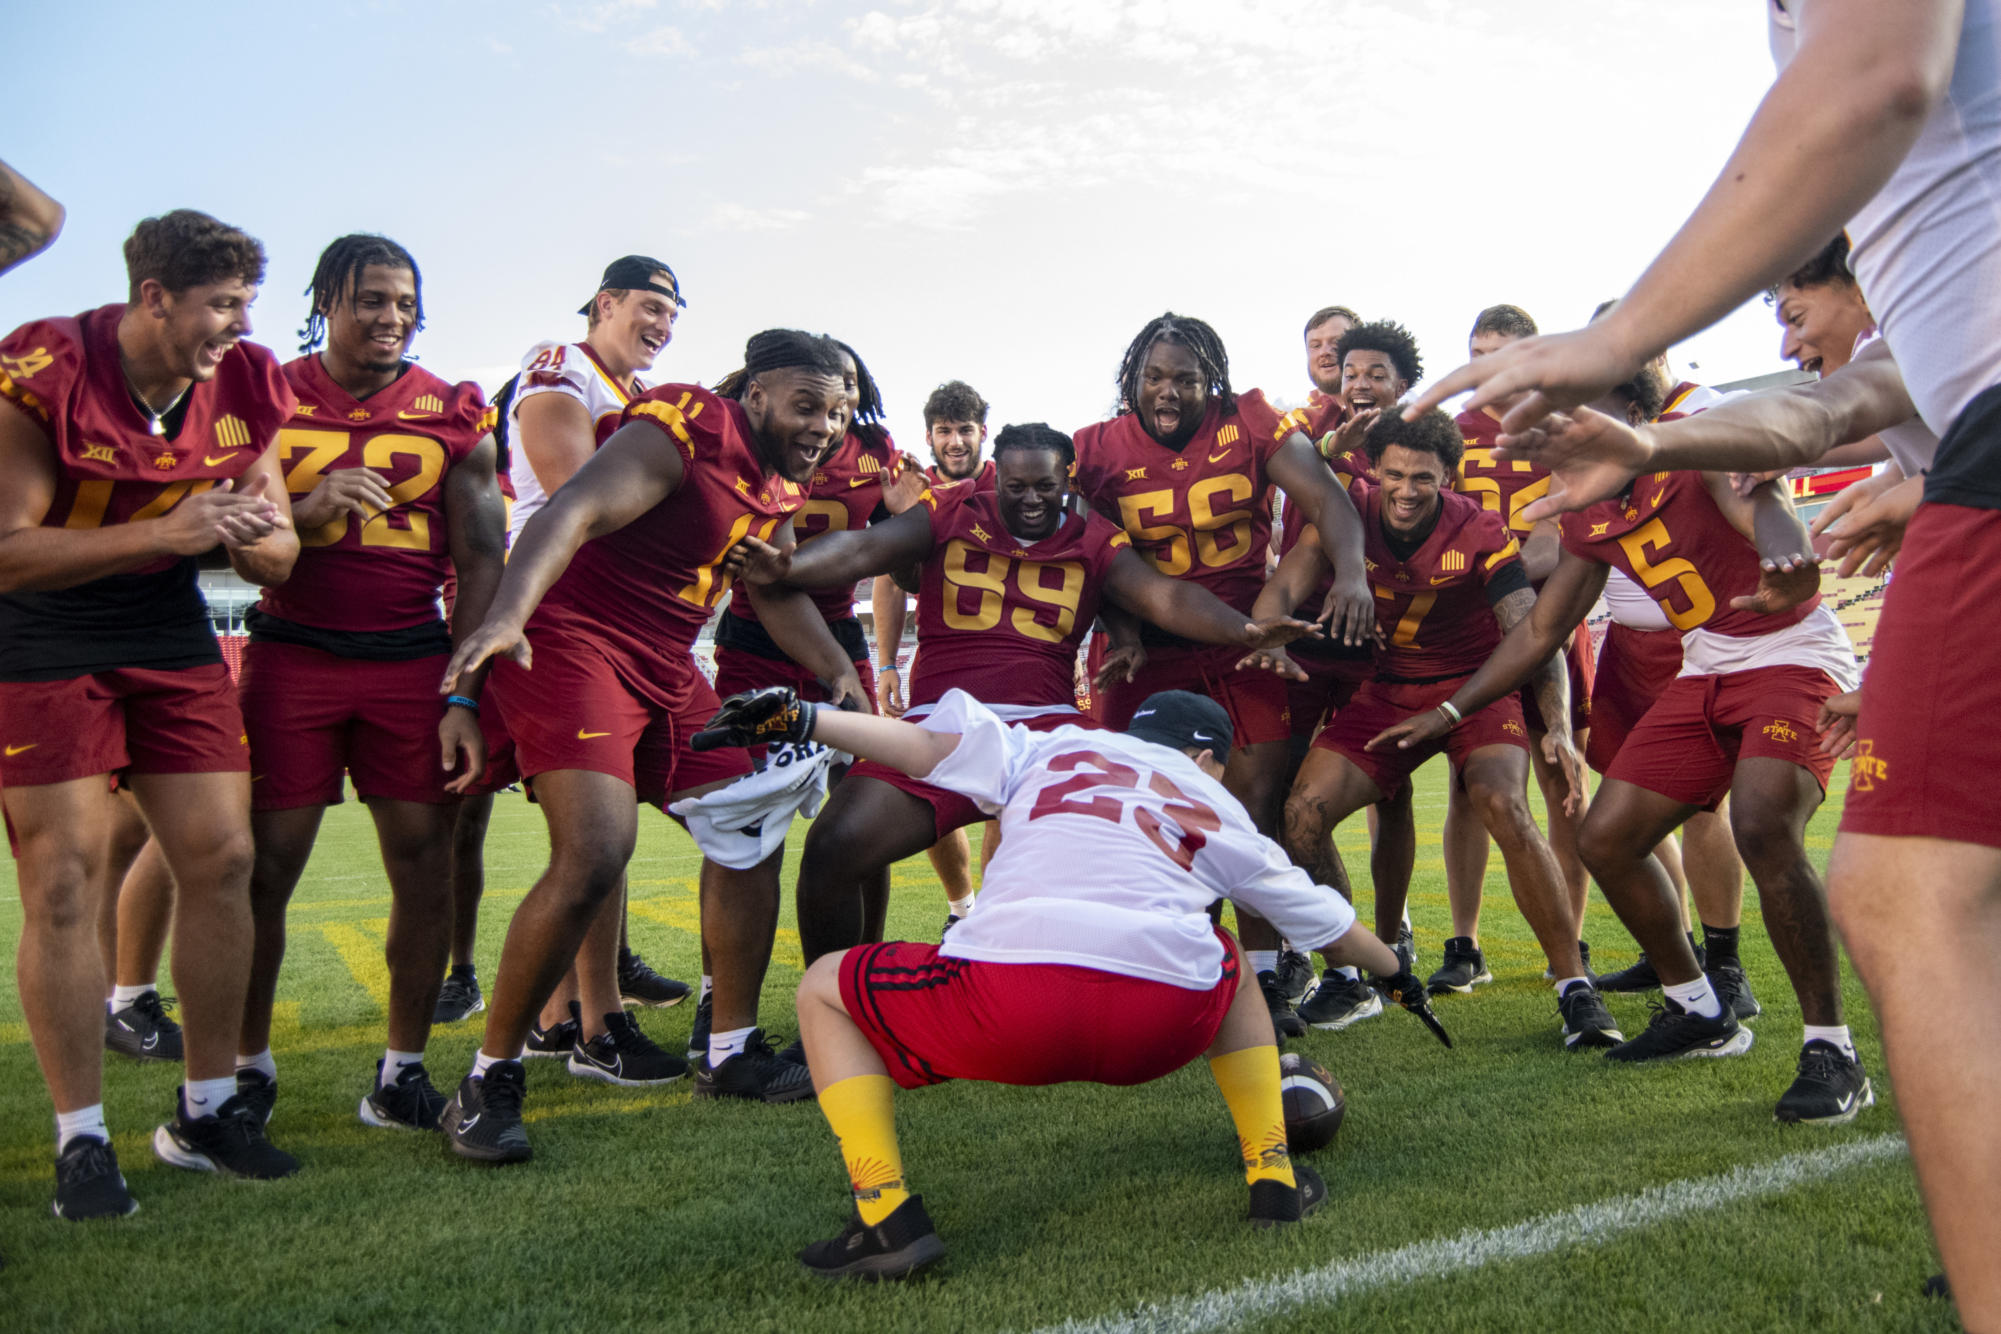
(339, 273)
(1191, 333)
(868, 410)
(779, 349)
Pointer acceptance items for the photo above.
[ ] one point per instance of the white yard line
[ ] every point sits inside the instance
(1588, 1224)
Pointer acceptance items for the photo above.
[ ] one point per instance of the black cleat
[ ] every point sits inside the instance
(1734, 990)
(625, 1056)
(1295, 975)
(259, 1093)
(1465, 967)
(88, 1182)
(1830, 1090)
(1340, 1001)
(1406, 949)
(1284, 1022)
(459, 998)
(411, 1103)
(638, 984)
(1674, 1033)
(230, 1142)
(895, 1248)
(142, 1030)
(555, 1042)
(1586, 1021)
(1273, 1203)
(483, 1121)
(756, 1074)
(698, 1036)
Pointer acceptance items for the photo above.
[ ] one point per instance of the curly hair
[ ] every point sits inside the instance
(1026, 436)
(338, 275)
(954, 401)
(1432, 433)
(1389, 338)
(1507, 321)
(187, 248)
(1188, 332)
(1646, 391)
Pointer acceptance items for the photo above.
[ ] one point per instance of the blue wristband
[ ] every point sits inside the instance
(462, 701)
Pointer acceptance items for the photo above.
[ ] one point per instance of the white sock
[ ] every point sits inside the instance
(708, 985)
(84, 1121)
(1406, 919)
(204, 1097)
(261, 1062)
(1351, 973)
(481, 1061)
(1697, 997)
(1838, 1035)
(1263, 961)
(393, 1063)
(124, 996)
(961, 907)
(722, 1046)
(1564, 985)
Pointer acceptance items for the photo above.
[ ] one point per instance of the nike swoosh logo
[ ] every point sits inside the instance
(12, 751)
(470, 1122)
(582, 735)
(152, 1041)
(413, 416)
(212, 460)
(854, 482)
(1443, 578)
(1218, 458)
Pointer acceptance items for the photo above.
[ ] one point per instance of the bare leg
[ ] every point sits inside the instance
(1715, 872)
(128, 836)
(952, 861)
(596, 964)
(1466, 846)
(284, 841)
(145, 915)
(1254, 777)
(866, 827)
(1393, 854)
(1563, 827)
(468, 873)
(1496, 779)
(1617, 839)
(1668, 853)
(416, 840)
(1773, 800)
(990, 841)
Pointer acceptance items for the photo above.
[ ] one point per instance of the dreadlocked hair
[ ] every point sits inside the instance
(1188, 332)
(339, 273)
(782, 349)
(1389, 338)
(1432, 433)
(868, 410)
(1028, 437)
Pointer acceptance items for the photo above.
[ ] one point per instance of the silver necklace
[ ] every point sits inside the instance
(154, 420)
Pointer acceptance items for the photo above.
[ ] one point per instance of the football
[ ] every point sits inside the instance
(1314, 1103)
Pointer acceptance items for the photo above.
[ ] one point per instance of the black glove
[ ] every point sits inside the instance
(756, 718)
(1404, 989)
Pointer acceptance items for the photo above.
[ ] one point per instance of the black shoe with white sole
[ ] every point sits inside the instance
(1673, 1033)
(230, 1142)
(755, 1074)
(483, 1120)
(142, 1030)
(88, 1182)
(460, 997)
(624, 1055)
(698, 1034)
(1340, 1001)
(638, 984)
(1284, 1021)
(554, 1043)
(1273, 1203)
(259, 1092)
(1727, 980)
(1295, 975)
(895, 1248)
(409, 1102)
(1586, 1021)
(1830, 1090)
(1465, 967)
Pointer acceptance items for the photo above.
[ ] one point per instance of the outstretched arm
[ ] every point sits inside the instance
(848, 557)
(1311, 485)
(29, 219)
(1788, 571)
(1190, 610)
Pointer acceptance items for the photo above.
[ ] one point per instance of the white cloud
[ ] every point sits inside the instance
(808, 56)
(664, 41)
(733, 217)
(600, 15)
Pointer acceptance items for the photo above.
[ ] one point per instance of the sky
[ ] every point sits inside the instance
(1000, 191)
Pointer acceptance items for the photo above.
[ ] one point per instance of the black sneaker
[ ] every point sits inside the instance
(459, 998)
(1284, 1022)
(1586, 1021)
(259, 1093)
(142, 1030)
(1830, 1090)
(88, 1182)
(1340, 1001)
(952, 919)
(1465, 967)
(1584, 955)
(1734, 990)
(230, 1142)
(1273, 1204)
(795, 1052)
(555, 1042)
(411, 1103)
(1674, 1033)
(638, 984)
(1937, 1286)
(483, 1121)
(1406, 949)
(1295, 975)
(756, 1073)
(625, 1056)
(1639, 977)
(897, 1247)
(698, 1036)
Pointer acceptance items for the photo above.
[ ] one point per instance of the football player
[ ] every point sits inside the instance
(391, 474)
(133, 438)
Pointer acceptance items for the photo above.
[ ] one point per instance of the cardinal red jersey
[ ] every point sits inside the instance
(1434, 605)
(385, 573)
(1194, 513)
(1502, 486)
(1674, 542)
(846, 493)
(649, 588)
(983, 480)
(1000, 619)
(67, 377)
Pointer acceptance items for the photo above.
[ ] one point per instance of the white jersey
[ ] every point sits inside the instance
(1927, 248)
(1112, 849)
(1910, 443)
(559, 368)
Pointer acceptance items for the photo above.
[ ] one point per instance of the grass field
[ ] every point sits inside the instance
(1065, 1204)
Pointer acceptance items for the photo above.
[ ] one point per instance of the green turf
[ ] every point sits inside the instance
(641, 1208)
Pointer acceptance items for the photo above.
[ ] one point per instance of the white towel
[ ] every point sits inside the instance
(740, 825)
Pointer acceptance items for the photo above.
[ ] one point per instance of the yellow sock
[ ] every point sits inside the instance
(860, 1113)
(1249, 1080)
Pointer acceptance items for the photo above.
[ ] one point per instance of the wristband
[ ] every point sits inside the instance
(889, 667)
(1452, 715)
(463, 701)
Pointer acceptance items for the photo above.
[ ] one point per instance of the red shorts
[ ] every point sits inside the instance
(953, 810)
(312, 716)
(1635, 668)
(1329, 685)
(738, 671)
(933, 1018)
(502, 767)
(1924, 745)
(1381, 704)
(575, 710)
(1578, 659)
(1255, 700)
(136, 719)
(1688, 745)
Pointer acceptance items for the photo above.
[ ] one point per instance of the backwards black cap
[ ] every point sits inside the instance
(1184, 721)
(630, 273)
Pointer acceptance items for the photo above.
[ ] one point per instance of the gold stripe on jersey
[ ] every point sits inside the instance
(1513, 548)
(1452, 562)
(429, 403)
(868, 464)
(231, 433)
(1228, 435)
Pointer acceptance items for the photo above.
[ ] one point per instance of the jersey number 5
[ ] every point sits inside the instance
(1701, 602)
(1195, 821)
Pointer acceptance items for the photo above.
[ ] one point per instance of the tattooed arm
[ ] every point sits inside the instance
(29, 219)
(1552, 679)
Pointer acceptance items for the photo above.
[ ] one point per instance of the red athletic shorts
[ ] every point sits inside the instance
(575, 710)
(1925, 751)
(933, 1018)
(1381, 704)
(1577, 657)
(1329, 685)
(1255, 700)
(953, 810)
(1688, 745)
(311, 716)
(738, 671)
(502, 769)
(1635, 668)
(139, 720)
